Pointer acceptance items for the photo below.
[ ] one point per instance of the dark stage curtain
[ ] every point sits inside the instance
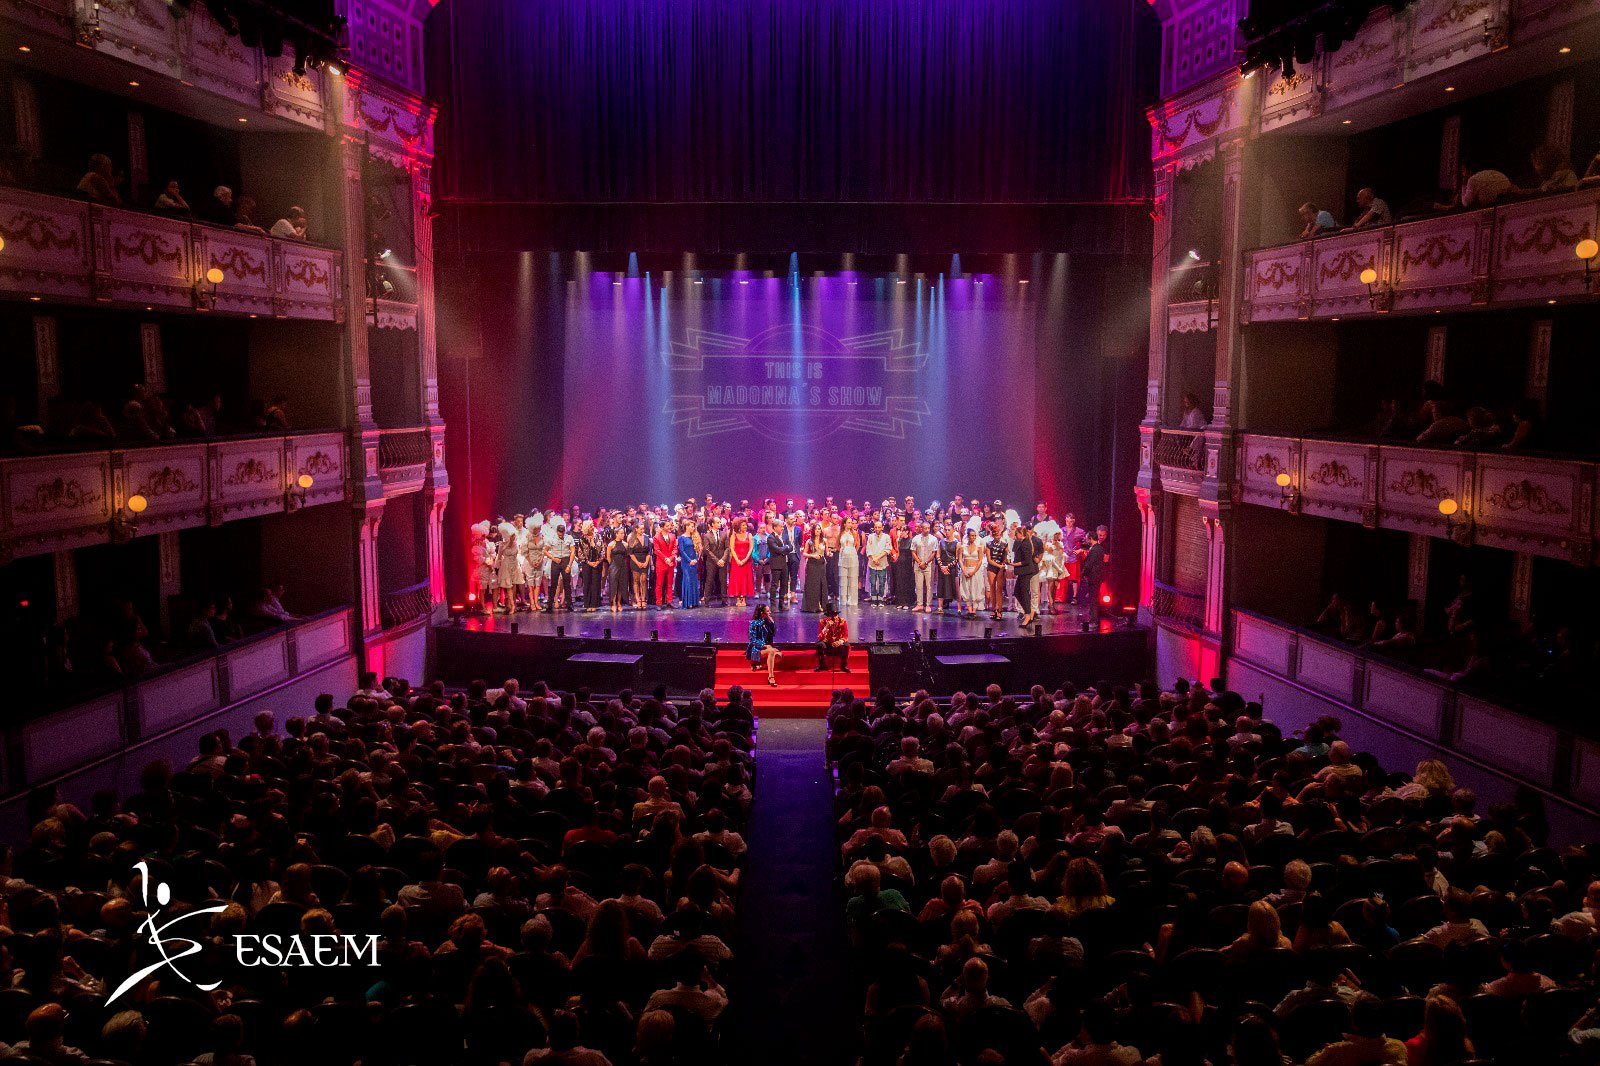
(806, 100)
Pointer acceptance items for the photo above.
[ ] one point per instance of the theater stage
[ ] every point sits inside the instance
(689, 650)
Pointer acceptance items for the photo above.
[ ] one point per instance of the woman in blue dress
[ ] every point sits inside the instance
(761, 651)
(688, 566)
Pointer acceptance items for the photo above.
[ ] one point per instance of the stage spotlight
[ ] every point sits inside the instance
(385, 253)
(878, 634)
(561, 631)
(1194, 253)
(607, 633)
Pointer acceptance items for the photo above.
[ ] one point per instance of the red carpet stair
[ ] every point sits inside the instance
(801, 691)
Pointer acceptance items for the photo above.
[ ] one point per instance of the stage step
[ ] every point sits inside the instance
(801, 691)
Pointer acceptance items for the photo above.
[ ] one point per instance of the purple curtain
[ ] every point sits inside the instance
(810, 100)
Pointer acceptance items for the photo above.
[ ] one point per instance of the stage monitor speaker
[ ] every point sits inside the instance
(972, 672)
(605, 671)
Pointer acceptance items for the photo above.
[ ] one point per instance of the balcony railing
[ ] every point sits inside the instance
(67, 500)
(1173, 604)
(1510, 253)
(404, 447)
(61, 248)
(98, 727)
(1525, 503)
(406, 605)
(1405, 699)
(1181, 449)
(1489, 42)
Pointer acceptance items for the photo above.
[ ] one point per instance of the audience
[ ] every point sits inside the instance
(1224, 894)
(409, 815)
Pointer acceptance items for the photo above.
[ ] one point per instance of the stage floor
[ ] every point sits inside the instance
(731, 625)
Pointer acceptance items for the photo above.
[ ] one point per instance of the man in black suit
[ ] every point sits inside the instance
(1095, 562)
(780, 546)
(716, 558)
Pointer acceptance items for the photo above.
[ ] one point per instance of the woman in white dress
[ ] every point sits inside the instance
(849, 564)
(508, 568)
(1052, 568)
(974, 561)
(483, 562)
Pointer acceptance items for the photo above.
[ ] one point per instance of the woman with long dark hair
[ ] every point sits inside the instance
(761, 651)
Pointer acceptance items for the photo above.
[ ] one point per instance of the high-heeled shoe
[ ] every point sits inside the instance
(772, 681)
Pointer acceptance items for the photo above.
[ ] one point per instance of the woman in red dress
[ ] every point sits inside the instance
(741, 573)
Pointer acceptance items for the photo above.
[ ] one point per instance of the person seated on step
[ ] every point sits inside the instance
(833, 639)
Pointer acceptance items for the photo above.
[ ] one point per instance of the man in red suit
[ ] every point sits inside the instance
(666, 548)
(833, 640)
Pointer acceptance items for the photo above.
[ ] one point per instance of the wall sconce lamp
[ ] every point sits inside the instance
(1588, 250)
(125, 523)
(297, 493)
(1455, 527)
(1286, 493)
(205, 289)
(1369, 278)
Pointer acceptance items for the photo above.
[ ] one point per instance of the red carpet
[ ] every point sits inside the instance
(801, 691)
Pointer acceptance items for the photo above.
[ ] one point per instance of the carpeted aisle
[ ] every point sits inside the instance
(794, 999)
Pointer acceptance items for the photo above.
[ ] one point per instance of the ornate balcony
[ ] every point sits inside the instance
(1514, 253)
(61, 501)
(1181, 455)
(404, 456)
(178, 694)
(1402, 699)
(1171, 604)
(65, 249)
(1524, 503)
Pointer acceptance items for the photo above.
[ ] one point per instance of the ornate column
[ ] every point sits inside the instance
(422, 237)
(1521, 587)
(1417, 572)
(66, 575)
(1148, 485)
(1216, 603)
(436, 586)
(1539, 362)
(47, 362)
(368, 519)
(1436, 348)
(171, 579)
(1149, 550)
(155, 363)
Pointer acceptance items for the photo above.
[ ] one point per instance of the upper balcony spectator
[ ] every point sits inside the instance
(1318, 221)
(244, 216)
(1554, 169)
(100, 182)
(171, 199)
(292, 226)
(221, 210)
(1374, 210)
(1193, 417)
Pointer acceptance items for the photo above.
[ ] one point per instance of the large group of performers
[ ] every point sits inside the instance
(963, 558)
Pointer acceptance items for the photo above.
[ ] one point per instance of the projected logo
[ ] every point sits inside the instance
(796, 384)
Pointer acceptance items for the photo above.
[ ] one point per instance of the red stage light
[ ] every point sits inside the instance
(472, 597)
(1105, 598)
(22, 603)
